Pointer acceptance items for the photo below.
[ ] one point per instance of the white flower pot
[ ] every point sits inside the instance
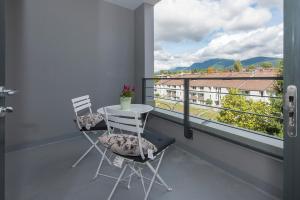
(125, 103)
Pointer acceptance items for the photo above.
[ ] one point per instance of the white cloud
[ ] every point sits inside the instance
(260, 42)
(165, 60)
(234, 29)
(267, 41)
(249, 19)
(178, 20)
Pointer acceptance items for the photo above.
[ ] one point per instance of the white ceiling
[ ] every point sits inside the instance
(132, 4)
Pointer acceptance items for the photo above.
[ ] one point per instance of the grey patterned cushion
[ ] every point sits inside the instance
(126, 145)
(89, 120)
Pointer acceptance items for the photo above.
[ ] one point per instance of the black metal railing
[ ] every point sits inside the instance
(148, 93)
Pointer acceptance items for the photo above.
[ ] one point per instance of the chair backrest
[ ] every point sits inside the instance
(81, 104)
(127, 121)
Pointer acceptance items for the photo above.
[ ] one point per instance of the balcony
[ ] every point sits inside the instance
(209, 165)
(42, 173)
(57, 50)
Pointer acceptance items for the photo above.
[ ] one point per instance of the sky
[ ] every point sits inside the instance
(189, 31)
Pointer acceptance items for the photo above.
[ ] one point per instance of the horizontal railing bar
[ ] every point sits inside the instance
(238, 111)
(221, 78)
(168, 99)
(229, 109)
(164, 88)
(169, 110)
(238, 94)
(197, 91)
(241, 94)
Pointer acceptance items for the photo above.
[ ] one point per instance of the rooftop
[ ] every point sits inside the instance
(256, 85)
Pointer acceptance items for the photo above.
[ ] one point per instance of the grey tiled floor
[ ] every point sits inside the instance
(44, 173)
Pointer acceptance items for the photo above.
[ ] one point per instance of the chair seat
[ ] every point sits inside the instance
(159, 140)
(101, 126)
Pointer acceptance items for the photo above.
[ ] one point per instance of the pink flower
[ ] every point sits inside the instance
(128, 91)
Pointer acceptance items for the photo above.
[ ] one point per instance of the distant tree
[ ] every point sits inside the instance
(252, 67)
(209, 102)
(237, 66)
(211, 70)
(276, 125)
(194, 71)
(277, 103)
(279, 64)
(260, 123)
(266, 65)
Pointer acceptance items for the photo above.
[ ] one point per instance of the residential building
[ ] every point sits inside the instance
(212, 91)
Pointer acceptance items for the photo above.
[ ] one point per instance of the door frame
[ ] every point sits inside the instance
(291, 187)
(2, 100)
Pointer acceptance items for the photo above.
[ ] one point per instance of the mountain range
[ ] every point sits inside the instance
(221, 63)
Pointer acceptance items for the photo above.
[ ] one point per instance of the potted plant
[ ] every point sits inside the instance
(126, 97)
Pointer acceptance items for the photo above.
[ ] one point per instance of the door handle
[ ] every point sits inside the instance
(4, 110)
(291, 109)
(6, 92)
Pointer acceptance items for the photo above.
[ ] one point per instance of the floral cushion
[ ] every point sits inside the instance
(89, 120)
(126, 145)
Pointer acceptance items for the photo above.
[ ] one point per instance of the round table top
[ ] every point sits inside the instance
(138, 108)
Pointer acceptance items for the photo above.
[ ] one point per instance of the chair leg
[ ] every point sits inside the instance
(159, 177)
(100, 164)
(142, 180)
(83, 155)
(94, 145)
(155, 171)
(130, 176)
(115, 186)
(102, 153)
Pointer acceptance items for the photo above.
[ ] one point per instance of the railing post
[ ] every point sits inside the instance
(143, 91)
(188, 133)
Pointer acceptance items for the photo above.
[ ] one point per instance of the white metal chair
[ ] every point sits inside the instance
(133, 122)
(82, 105)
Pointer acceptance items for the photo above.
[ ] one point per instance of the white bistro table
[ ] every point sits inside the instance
(138, 108)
